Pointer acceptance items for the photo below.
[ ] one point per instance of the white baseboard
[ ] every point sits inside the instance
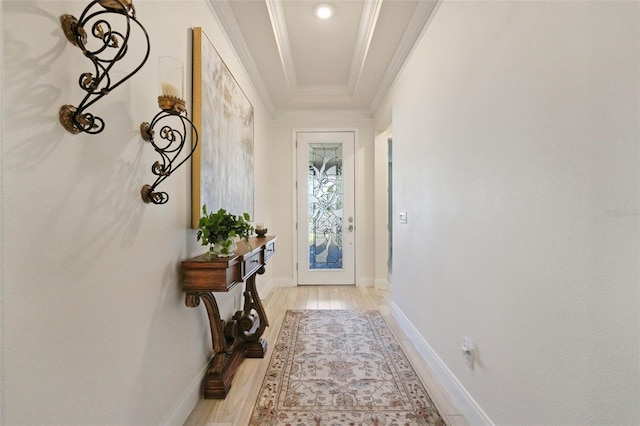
(465, 403)
(365, 282)
(283, 282)
(185, 404)
(381, 283)
(264, 289)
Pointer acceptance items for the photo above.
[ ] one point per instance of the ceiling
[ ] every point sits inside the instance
(300, 63)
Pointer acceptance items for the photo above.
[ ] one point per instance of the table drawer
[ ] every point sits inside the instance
(269, 250)
(250, 265)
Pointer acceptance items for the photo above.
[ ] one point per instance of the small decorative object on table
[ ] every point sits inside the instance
(261, 230)
(219, 231)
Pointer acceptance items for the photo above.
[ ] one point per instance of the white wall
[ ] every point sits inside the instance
(95, 329)
(516, 157)
(283, 192)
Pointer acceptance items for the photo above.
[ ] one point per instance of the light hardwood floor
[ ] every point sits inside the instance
(236, 409)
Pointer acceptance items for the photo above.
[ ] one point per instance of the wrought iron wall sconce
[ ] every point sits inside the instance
(109, 43)
(172, 124)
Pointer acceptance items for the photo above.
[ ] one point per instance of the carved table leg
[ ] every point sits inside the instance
(251, 327)
(229, 353)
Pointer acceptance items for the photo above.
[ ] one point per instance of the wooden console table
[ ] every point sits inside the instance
(239, 337)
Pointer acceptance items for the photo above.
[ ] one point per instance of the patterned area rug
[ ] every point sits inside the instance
(339, 367)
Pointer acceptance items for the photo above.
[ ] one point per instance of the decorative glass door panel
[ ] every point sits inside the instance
(325, 207)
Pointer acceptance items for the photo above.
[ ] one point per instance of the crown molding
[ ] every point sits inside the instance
(368, 21)
(281, 33)
(318, 115)
(222, 11)
(425, 10)
(336, 93)
(323, 95)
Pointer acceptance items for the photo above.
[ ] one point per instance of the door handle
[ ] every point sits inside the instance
(350, 228)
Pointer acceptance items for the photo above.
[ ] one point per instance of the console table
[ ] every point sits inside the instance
(239, 337)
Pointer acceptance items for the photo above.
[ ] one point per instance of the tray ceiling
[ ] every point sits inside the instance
(300, 63)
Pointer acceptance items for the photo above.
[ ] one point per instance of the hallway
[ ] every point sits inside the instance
(515, 212)
(236, 408)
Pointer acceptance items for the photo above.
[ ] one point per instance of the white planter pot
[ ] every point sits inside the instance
(217, 249)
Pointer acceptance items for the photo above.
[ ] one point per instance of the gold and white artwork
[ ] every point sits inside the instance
(223, 163)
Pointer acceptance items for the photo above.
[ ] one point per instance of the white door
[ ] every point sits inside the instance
(326, 207)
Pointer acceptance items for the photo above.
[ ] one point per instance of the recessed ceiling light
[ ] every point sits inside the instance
(324, 11)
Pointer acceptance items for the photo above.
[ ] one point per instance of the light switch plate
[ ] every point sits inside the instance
(403, 217)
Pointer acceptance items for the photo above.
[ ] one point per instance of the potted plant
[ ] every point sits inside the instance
(219, 230)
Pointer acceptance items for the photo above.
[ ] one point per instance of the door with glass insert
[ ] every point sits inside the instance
(326, 214)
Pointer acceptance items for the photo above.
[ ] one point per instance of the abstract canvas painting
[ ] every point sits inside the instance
(222, 171)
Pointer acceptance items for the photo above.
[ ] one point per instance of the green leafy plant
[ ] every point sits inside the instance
(222, 227)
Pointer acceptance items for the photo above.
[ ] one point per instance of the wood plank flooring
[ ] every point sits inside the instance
(236, 409)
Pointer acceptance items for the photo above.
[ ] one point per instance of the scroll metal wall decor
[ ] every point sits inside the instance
(102, 33)
(173, 127)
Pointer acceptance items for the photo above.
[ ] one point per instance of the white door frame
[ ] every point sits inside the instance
(294, 192)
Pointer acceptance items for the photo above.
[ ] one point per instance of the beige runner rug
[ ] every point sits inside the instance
(340, 367)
